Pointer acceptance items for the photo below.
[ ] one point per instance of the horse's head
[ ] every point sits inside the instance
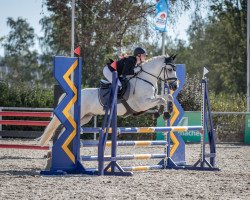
(162, 68)
(170, 76)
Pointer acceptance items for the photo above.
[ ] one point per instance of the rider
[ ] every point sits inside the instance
(128, 65)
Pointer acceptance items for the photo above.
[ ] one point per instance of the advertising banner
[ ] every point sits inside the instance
(189, 119)
(247, 129)
(160, 20)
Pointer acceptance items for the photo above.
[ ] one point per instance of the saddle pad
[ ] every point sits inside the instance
(104, 93)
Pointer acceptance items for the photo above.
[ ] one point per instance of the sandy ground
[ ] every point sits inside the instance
(20, 179)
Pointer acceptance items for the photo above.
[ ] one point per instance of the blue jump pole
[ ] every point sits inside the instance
(113, 168)
(125, 143)
(123, 130)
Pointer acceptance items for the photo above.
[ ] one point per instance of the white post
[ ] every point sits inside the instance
(203, 112)
(202, 134)
(72, 42)
(73, 28)
(248, 55)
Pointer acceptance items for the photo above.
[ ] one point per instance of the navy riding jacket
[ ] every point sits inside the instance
(126, 66)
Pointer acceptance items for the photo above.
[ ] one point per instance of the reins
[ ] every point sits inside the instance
(163, 69)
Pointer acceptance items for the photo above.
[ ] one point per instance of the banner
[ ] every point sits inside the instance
(190, 118)
(161, 15)
(247, 130)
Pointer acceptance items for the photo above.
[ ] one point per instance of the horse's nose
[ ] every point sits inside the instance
(173, 86)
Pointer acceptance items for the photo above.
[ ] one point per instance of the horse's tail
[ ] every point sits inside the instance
(49, 131)
(51, 128)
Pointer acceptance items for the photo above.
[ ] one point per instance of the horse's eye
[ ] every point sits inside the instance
(170, 70)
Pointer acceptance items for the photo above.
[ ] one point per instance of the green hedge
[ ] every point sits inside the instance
(25, 96)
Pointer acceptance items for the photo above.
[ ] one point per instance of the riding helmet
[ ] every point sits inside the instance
(138, 51)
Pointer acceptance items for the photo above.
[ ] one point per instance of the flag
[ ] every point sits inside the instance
(114, 65)
(205, 71)
(161, 15)
(77, 51)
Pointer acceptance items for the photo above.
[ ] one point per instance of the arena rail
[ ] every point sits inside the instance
(21, 112)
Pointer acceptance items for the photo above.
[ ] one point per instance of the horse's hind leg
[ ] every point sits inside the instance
(86, 119)
(169, 108)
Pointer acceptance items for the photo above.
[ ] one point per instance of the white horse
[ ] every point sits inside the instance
(142, 97)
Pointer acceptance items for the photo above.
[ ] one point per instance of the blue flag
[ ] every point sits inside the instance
(161, 15)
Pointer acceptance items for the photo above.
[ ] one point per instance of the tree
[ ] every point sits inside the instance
(100, 26)
(219, 43)
(228, 53)
(19, 58)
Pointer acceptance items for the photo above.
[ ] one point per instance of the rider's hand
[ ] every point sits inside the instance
(137, 69)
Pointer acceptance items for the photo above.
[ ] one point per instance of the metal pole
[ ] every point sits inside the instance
(203, 120)
(163, 53)
(73, 42)
(114, 124)
(248, 55)
(73, 28)
(72, 48)
(163, 43)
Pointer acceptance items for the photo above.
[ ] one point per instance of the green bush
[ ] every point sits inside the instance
(230, 127)
(25, 96)
(190, 95)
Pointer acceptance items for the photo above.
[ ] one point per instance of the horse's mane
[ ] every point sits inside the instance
(153, 58)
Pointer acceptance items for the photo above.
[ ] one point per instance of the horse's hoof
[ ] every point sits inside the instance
(156, 115)
(48, 155)
(166, 115)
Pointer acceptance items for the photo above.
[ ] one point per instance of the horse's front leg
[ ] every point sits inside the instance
(166, 109)
(154, 101)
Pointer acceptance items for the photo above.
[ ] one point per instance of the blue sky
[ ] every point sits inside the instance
(32, 11)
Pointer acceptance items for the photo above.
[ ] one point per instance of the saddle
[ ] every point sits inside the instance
(123, 96)
(105, 89)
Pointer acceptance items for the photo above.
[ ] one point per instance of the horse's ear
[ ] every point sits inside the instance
(171, 58)
(174, 56)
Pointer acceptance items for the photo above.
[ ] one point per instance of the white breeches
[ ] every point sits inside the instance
(108, 75)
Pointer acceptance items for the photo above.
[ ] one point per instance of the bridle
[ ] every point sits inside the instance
(164, 69)
(172, 85)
